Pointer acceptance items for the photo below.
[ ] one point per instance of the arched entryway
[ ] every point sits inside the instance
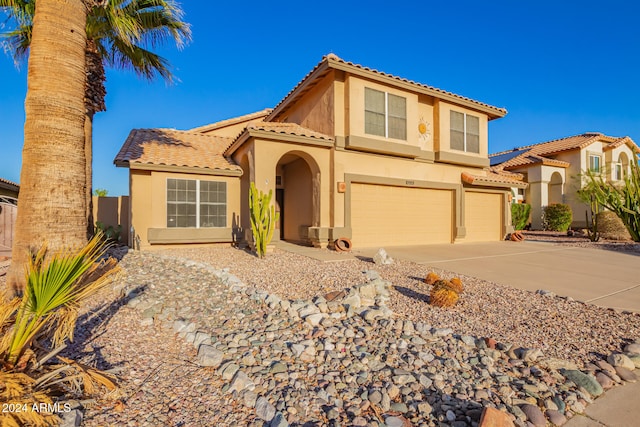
(555, 188)
(297, 196)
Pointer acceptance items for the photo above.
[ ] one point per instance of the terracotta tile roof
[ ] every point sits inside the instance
(288, 129)
(172, 147)
(331, 60)
(493, 179)
(232, 121)
(6, 181)
(537, 153)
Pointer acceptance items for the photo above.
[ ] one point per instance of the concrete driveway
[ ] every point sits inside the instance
(601, 277)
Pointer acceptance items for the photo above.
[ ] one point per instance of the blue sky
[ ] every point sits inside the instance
(559, 67)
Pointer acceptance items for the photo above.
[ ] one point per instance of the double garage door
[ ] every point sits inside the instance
(384, 215)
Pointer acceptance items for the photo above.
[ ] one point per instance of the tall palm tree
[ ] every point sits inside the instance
(117, 33)
(52, 199)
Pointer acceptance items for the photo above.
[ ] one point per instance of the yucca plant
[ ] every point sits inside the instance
(56, 287)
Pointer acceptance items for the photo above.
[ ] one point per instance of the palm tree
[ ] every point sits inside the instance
(52, 197)
(117, 33)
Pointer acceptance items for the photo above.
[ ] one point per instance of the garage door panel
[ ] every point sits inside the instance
(483, 216)
(387, 215)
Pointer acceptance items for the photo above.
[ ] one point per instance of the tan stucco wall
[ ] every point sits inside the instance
(354, 98)
(348, 162)
(315, 109)
(149, 201)
(298, 199)
(443, 134)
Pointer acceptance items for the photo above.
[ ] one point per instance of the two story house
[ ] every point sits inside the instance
(349, 152)
(556, 170)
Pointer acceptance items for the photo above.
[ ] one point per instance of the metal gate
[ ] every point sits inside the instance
(8, 212)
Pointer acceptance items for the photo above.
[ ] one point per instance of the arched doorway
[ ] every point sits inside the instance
(297, 196)
(623, 165)
(555, 188)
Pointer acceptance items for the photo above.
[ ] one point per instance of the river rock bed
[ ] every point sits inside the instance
(198, 346)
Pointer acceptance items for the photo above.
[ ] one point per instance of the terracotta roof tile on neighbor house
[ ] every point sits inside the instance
(10, 183)
(333, 61)
(288, 129)
(170, 147)
(537, 153)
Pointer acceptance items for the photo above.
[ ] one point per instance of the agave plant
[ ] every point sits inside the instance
(56, 287)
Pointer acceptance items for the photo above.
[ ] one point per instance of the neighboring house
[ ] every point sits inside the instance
(9, 189)
(349, 152)
(555, 170)
(8, 212)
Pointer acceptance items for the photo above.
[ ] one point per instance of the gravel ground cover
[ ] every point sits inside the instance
(560, 327)
(161, 385)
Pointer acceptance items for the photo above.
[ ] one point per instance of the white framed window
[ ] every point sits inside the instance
(196, 203)
(385, 114)
(465, 132)
(594, 163)
(618, 174)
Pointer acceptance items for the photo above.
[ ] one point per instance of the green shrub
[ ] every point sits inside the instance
(557, 217)
(520, 215)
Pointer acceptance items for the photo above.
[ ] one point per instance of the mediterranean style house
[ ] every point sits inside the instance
(349, 152)
(555, 170)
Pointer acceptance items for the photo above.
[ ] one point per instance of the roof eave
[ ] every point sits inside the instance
(185, 169)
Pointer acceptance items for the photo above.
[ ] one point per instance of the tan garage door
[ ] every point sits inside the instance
(483, 216)
(391, 216)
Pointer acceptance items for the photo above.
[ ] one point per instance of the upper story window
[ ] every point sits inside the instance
(618, 174)
(465, 132)
(385, 114)
(594, 163)
(196, 203)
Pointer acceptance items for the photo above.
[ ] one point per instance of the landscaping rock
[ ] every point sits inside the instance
(618, 359)
(534, 415)
(265, 410)
(209, 356)
(382, 258)
(583, 380)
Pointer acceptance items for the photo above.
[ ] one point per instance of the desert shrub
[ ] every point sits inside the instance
(520, 215)
(557, 217)
(611, 227)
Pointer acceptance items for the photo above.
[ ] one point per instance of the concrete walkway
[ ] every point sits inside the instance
(618, 407)
(601, 277)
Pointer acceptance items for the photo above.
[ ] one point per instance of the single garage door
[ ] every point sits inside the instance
(392, 216)
(483, 216)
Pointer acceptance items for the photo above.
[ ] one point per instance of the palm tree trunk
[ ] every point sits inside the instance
(94, 100)
(51, 205)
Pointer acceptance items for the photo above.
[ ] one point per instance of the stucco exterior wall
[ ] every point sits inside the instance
(442, 141)
(354, 98)
(315, 109)
(373, 165)
(149, 210)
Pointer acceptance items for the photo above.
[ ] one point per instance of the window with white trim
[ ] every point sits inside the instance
(594, 163)
(465, 132)
(385, 114)
(617, 172)
(196, 203)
